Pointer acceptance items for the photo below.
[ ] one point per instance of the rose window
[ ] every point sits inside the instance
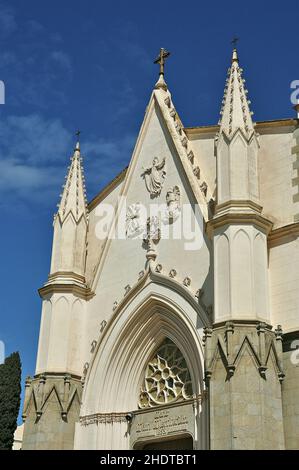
(167, 378)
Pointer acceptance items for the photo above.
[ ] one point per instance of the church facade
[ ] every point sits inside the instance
(171, 312)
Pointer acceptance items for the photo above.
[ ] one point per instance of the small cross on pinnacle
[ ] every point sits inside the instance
(161, 59)
(78, 134)
(235, 41)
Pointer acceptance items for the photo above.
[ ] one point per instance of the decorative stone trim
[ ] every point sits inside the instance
(159, 268)
(187, 282)
(167, 101)
(93, 346)
(85, 368)
(258, 337)
(103, 418)
(155, 274)
(196, 172)
(191, 157)
(184, 142)
(127, 289)
(204, 188)
(46, 388)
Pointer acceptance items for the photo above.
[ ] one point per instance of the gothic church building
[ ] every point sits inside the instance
(148, 344)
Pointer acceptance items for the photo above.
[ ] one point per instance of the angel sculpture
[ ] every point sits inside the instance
(154, 177)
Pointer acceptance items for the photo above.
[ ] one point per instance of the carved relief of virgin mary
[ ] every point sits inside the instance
(154, 177)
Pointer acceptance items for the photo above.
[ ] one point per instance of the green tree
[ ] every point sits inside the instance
(10, 391)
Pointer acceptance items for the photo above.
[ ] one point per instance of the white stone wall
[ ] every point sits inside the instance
(94, 244)
(284, 282)
(62, 335)
(203, 144)
(241, 280)
(276, 173)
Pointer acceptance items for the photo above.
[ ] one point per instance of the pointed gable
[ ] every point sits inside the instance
(122, 260)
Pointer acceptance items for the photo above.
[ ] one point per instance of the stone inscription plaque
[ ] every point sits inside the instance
(162, 423)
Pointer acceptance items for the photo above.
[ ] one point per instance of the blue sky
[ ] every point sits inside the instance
(89, 65)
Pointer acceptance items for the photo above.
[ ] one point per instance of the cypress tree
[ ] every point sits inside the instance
(10, 391)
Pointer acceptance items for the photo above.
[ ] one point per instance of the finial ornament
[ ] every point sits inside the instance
(78, 140)
(234, 42)
(161, 59)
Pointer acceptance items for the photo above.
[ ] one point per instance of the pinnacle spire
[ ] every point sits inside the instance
(235, 111)
(73, 198)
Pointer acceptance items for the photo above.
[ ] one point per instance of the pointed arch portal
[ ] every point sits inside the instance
(114, 414)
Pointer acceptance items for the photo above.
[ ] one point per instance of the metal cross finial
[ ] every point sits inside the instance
(161, 59)
(235, 41)
(78, 134)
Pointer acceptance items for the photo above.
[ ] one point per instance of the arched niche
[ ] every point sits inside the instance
(116, 371)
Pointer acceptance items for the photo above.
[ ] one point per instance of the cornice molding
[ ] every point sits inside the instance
(233, 203)
(66, 275)
(283, 234)
(239, 218)
(82, 292)
(242, 322)
(56, 375)
(259, 126)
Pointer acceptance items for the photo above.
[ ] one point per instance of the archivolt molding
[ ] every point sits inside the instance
(133, 335)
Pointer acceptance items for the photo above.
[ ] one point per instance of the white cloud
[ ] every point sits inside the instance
(63, 60)
(7, 20)
(34, 155)
(109, 148)
(16, 176)
(35, 27)
(33, 139)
